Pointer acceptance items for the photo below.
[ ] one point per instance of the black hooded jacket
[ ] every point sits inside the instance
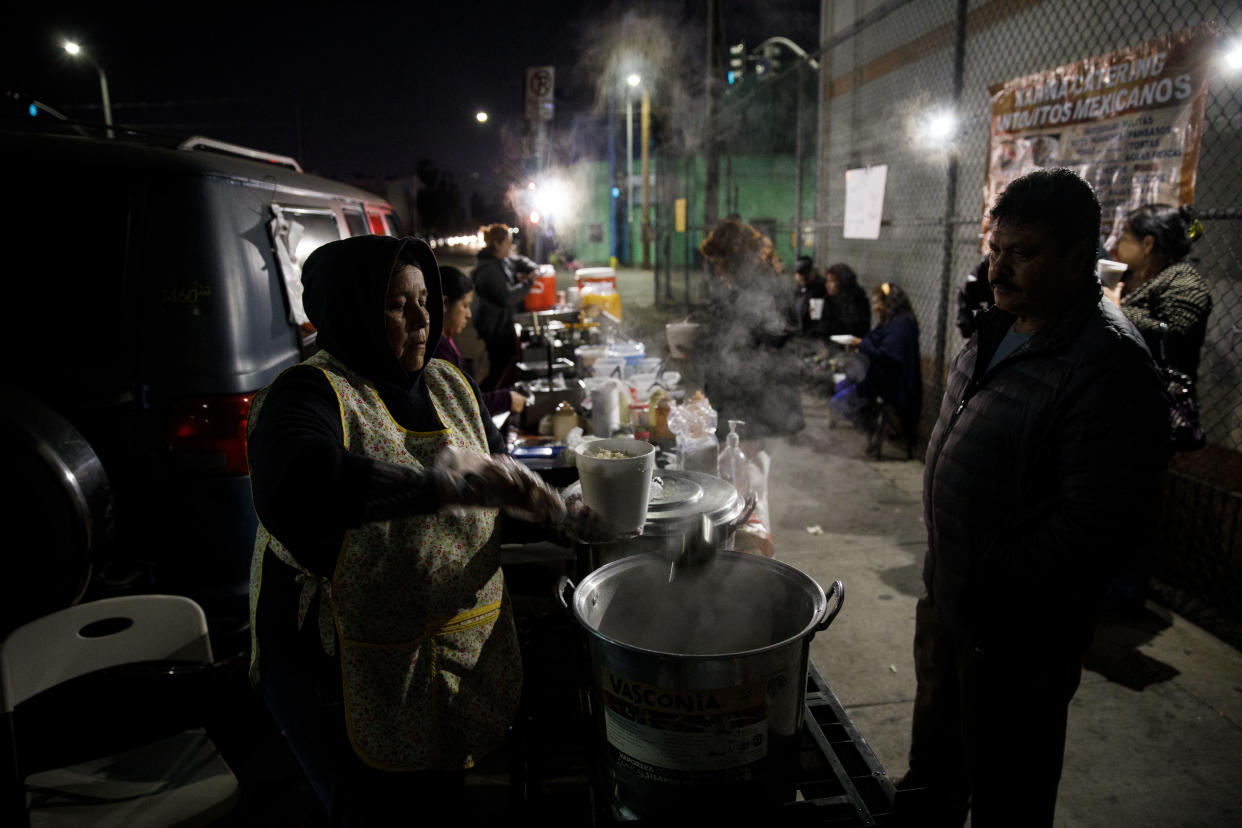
(308, 489)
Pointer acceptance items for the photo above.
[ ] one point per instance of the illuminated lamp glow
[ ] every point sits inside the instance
(481, 117)
(633, 79)
(72, 48)
(534, 217)
(940, 125)
(1234, 56)
(552, 199)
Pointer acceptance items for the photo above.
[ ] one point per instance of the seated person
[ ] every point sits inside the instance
(458, 295)
(846, 310)
(891, 369)
(810, 286)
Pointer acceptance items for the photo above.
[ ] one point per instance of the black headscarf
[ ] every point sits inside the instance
(345, 285)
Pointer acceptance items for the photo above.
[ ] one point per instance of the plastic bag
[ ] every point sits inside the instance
(694, 426)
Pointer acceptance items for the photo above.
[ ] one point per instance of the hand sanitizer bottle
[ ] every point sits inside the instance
(731, 464)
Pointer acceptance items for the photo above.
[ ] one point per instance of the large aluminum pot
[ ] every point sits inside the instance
(699, 683)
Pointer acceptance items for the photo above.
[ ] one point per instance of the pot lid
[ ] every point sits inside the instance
(682, 496)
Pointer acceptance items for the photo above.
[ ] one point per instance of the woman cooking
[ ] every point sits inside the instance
(383, 638)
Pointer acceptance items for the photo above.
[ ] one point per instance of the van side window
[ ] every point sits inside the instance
(355, 222)
(394, 226)
(296, 232)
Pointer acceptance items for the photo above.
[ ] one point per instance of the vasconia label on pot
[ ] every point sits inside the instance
(675, 735)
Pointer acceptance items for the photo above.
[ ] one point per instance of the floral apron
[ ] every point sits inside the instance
(428, 650)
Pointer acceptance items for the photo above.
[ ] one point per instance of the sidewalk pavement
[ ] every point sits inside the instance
(1155, 729)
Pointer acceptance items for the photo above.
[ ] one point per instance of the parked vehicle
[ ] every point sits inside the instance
(149, 292)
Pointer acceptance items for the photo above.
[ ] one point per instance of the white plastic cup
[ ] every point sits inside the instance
(1109, 271)
(617, 488)
(817, 309)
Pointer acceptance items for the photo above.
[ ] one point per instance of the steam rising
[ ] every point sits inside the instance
(668, 55)
(720, 608)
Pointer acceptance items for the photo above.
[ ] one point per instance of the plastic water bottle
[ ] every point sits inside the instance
(731, 465)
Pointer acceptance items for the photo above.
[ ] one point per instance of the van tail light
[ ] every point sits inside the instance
(377, 224)
(209, 433)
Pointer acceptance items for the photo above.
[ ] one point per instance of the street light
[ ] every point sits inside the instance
(75, 50)
(481, 117)
(632, 80)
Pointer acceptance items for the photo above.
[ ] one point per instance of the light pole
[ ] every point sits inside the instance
(632, 81)
(646, 138)
(75, 50)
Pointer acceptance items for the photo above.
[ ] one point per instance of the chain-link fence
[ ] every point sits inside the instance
(881, 72)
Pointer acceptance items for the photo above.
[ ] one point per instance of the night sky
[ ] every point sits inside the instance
(364, 91)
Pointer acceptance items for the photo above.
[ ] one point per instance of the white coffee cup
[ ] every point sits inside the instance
(817, 309)
(1109, 271)
(617, 488)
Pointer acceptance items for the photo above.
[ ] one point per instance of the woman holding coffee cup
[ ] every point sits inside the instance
(1160, 286)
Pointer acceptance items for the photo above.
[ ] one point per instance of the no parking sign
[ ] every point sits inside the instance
(539, 84)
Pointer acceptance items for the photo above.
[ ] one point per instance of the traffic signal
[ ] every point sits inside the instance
(770, 63)
(737, 62)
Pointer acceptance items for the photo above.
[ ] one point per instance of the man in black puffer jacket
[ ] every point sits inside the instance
(1042, 473)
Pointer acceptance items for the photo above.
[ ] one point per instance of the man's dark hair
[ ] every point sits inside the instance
(1058, 199)
(805, 264)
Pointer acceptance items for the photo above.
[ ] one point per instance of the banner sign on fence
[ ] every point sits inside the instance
(1129, 122)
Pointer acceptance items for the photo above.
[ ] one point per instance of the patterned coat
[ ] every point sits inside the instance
(1178, 296)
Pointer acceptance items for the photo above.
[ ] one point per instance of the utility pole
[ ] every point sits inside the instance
(797, 245)
(711, 177)
(645, 166)
(629, 177)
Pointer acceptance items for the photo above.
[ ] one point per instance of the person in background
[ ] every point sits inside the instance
(1160, 286)
(383, 639)
(847, 311)
(974, 296)
(501, 282)
(893, 369)
(1042, 473)
(809, 285)
(458, 297)
(750, 376)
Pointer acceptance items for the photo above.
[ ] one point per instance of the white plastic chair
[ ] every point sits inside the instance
(179, 780)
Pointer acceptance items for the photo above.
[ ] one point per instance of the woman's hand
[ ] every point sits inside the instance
(497, 481)
(1113, 293)
(516, 402)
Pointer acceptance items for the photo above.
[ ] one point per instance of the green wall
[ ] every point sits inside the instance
(764, 186)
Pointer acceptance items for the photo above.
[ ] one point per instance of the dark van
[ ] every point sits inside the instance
(149, 292)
